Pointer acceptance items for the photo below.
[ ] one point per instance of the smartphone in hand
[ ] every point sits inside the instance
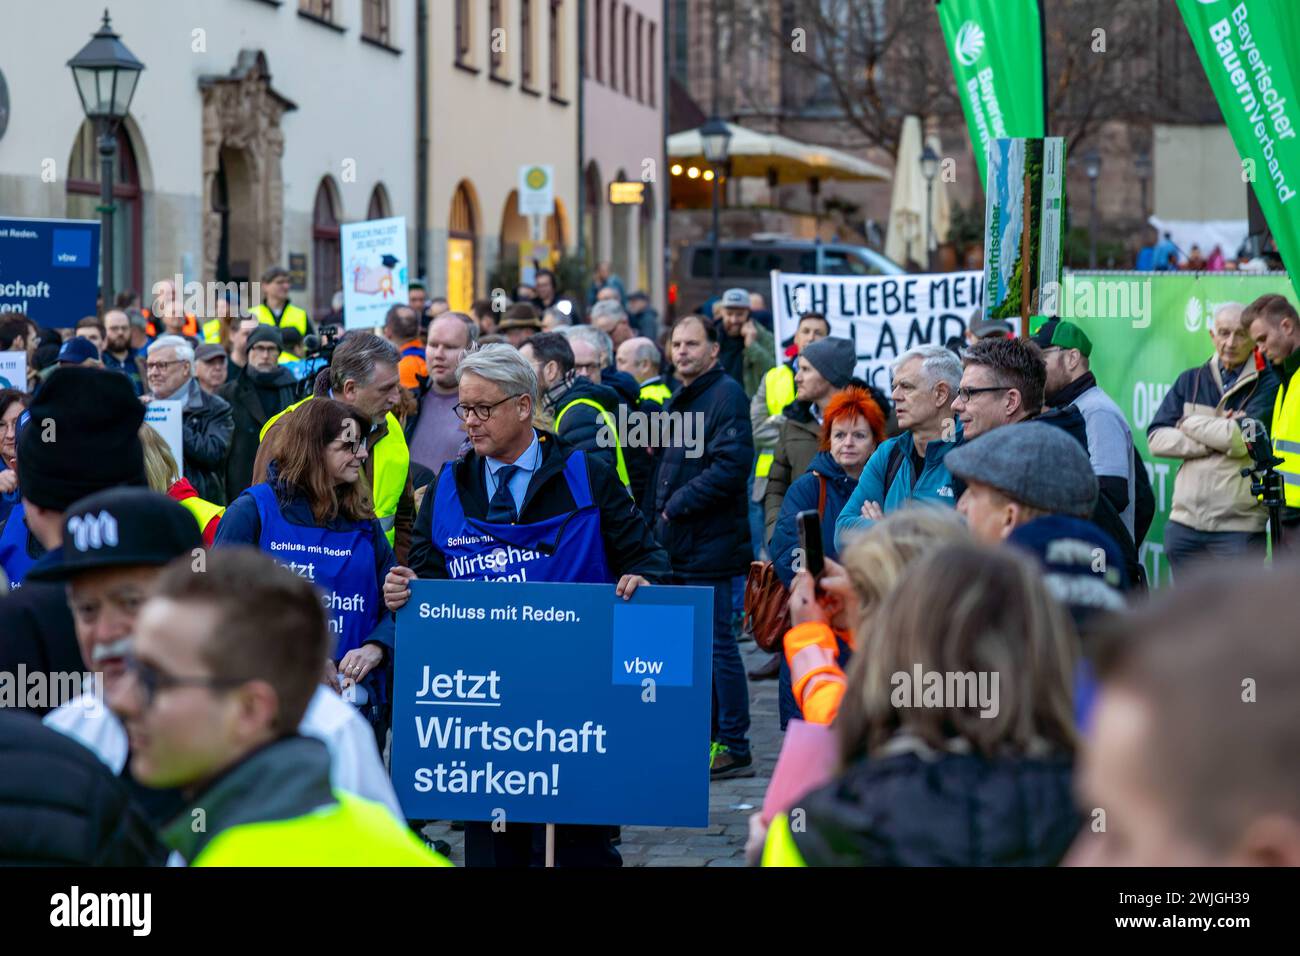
(810, 541)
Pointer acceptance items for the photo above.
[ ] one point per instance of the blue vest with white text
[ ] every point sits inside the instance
(564, 549)
(340, 563)
(13, 547)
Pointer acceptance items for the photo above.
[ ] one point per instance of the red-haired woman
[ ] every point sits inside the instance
(852, 427)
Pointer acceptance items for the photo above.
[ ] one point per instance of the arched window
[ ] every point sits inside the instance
(645, 278)
(83, 202)
(462, 249)
(379, 207)
(326, 267)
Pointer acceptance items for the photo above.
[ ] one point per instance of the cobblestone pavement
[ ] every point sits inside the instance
(731, 802)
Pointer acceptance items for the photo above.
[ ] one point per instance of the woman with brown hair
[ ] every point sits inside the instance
(956, 733)
(310, 509)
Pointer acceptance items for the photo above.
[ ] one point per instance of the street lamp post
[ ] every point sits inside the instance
(929, 169)
(1092, 166)
(1142, 162)
(106, 72)
(717, 142)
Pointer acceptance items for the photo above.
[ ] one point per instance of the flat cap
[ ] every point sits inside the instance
(1033, 463)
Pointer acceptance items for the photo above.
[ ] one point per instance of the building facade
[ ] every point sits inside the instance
(257, 128)
(623, 140)
(502, 94)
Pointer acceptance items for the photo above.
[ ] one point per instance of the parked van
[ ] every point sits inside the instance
(748, 264)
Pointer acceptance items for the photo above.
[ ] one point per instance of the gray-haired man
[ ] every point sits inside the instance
(206, 420)
(909, 467)
(527, 483)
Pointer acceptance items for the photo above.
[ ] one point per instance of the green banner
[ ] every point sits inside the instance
(1244, 45)
(1146, 329)
(996, 48)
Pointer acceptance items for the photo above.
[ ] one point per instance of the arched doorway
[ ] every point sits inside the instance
(232, 202)
(83, 184)
(593, 199)
(379, 206)
(243, 190)
(326, 265)
(557, 227)
(462, 248)
(514, 229)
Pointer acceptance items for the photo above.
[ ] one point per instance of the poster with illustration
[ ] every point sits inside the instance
(374, 270)
(1023, 219)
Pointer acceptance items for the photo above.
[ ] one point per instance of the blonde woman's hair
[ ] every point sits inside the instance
(962, 609)
(160, 467)
(877, 558)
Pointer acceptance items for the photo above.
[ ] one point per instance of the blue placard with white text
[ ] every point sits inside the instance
(49, 269)
(553, 703)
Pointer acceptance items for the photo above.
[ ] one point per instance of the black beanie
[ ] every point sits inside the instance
(83, 436)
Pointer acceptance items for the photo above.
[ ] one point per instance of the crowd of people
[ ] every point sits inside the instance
(230, 603)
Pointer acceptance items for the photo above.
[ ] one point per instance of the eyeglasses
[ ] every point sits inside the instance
(152, 680)
(966, 394)
(481, 412)
(162, 366)
(268, 347)
(588, 368)
(349, 446)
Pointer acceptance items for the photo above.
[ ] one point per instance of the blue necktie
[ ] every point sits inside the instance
(501, 509)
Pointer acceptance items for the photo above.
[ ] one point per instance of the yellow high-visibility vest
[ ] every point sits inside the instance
(1286, 438)
(392, 464)
(613, 430)
(291, 317)
(780, 390)
(212, 331)
(657, 392)
(203, 511)
(352, 832)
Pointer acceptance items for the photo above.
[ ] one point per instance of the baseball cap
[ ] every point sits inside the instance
(76, 350)
(1062, 335)
(735, 298)
(120, 527)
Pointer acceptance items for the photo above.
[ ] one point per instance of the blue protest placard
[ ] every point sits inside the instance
(553, 703)
(49, 269)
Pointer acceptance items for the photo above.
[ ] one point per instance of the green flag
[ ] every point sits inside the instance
(1243, 45)
(996, 47)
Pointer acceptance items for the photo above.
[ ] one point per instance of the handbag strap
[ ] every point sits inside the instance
(821, 496)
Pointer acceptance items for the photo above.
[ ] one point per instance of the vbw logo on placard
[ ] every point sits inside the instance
(652, 641)
(71, 248)
(970, 43)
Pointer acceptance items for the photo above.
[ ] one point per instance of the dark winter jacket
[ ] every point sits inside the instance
(37, 632)
(62, 806)
(630, 548)
(1104, 514)
(241, 524)
(581, 425)
(208, 426)
(799, 438)
(249, 396)
(803, 496)
(924, 809)
(697, 501)
(637, 454)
